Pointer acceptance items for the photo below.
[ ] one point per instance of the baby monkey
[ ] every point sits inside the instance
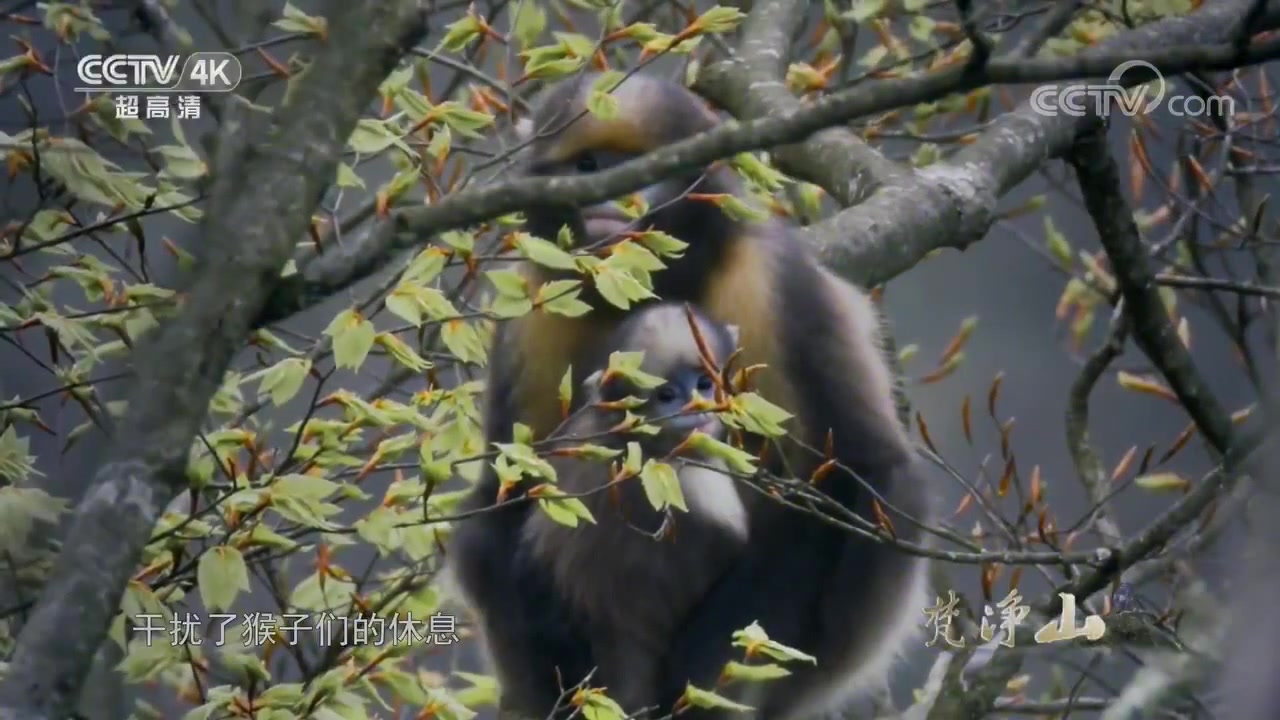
(636, 573)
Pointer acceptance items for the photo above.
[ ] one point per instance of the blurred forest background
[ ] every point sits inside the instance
(1086, 331)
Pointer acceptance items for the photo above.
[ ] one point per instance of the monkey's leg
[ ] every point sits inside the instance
(629, 666)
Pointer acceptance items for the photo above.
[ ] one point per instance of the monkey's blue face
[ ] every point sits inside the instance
(669, 399)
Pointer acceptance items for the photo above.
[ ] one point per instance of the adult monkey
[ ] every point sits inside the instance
(849, 601)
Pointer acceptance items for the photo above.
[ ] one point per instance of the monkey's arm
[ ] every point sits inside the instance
(529, 630)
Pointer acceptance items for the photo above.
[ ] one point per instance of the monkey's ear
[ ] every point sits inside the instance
(735, 334)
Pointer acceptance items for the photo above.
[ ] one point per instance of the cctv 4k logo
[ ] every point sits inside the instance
(201, 72)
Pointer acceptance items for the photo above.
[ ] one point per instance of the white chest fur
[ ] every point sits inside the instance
(711, 494)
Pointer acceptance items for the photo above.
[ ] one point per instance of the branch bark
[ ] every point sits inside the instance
(751, 85)
(247, 236)
(897, 226)
(1099, 179)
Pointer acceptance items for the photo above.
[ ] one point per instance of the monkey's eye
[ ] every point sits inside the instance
(705, 384)
(667, 394)
(587, 163)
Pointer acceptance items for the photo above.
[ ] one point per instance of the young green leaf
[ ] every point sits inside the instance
(661, 486)
(753, 673)
(221, 575)
(695, 697)
(284, 379)
(544, 252)
(352, 337)
(738, 460)
(403, 354)
(560, 507)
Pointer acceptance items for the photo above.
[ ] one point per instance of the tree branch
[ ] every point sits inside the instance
(1099, 180)
(925, 214)
(246, 243)
(951, 203)
(751, 85)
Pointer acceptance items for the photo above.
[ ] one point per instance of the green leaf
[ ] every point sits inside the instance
(719, 19)
(602, 104)
(553, 69)
(17, 464)
(402, 352)
(753, 673)
(294, 20)
(248, 667)
(20, 509)
(463, 340)
(561, 297)
(567, 305)
(565, 391)
(632, 464)
(143, 662)
(544, 252)
(753, 413)
(1162, 482)
(562, 508)
(528, 24)
(347, 177)
(441, 142)
(598, 706)
(373, 136)
(261, 535)
(619, 288)
(284, 379)
(662, 486)
(509, 283)
(756, 171)
(509, 307)
(661, 243)
(524, 457)
(397, 81)
(403, 303)
(922, 27)
(181, 162)
(353, 337)
(221, 575)
(696, 697)
(460, 33)
(627, 364)
(1057, 243)
(463, 120)
(754, 638)
(864, 10)
(739, 461)
(738, 209)
(425, 266)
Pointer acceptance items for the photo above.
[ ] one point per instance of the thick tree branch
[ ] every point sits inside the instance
(923, 215)
(951, 203)
(280, 181)
(751, 85)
